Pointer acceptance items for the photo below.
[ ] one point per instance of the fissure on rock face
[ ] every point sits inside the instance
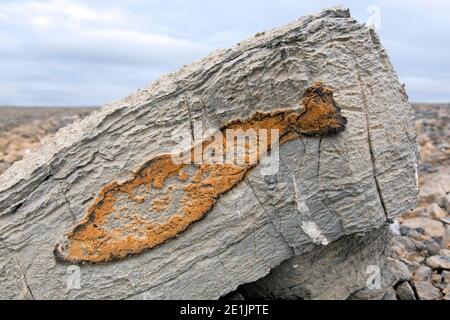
(22, 274)
(369, 141)
(164, 197)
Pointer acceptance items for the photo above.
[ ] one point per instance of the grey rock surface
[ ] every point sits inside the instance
(354, 267)
(422, 273)
(439, 262)
(390, 295)
(405, 292)
(426, 291)
(349, 183)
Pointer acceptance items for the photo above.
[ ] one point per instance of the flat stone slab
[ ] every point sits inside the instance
(324, 188)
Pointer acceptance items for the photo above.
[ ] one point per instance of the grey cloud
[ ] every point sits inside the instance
(115, 47)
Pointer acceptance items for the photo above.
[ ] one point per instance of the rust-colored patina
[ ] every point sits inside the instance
(177, 194)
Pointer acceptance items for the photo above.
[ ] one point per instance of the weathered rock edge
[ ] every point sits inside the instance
(354, 267)
(340, 185)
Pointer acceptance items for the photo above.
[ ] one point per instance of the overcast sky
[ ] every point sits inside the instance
(61, 52)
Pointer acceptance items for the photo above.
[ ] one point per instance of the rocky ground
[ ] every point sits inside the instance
(21, 129)
(422, 237)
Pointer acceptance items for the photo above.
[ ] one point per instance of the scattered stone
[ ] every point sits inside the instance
(436, 187)
(398, 250)
(405, 292)
(426, 291)
(413, 233)
(417, 212)
(435, 211)
(431, 246)
(390, 295)
(436, 280)
(429, 226)
(422, 273)
(446, 239)
(447, 203)
(439, 262)
(415, 258)
(408, 243)
(446, 292)
(410, 264)
(445, 276)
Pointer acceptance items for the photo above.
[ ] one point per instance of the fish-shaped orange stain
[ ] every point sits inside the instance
(164, 197)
